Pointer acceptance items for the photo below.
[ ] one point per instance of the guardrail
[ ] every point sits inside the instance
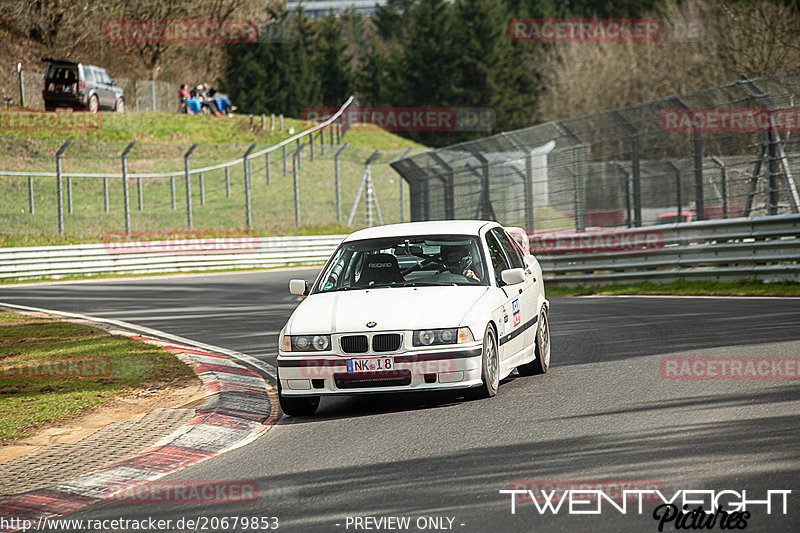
(766, 248)
(164, 256)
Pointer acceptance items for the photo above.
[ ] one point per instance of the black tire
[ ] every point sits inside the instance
(541, 364)
(490, 365)
(94, 104)
(300, 406)
(119, 105)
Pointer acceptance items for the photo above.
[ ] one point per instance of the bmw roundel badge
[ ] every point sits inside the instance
(371, 324)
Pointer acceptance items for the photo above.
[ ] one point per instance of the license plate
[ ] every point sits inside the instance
(372, 364)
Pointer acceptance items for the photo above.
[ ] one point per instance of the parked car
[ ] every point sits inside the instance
(415, 307)
(68, 84)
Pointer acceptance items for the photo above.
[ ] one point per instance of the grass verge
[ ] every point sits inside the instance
(684, 288)
(52, 370)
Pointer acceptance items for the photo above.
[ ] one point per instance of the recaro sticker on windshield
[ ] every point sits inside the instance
(515, 310)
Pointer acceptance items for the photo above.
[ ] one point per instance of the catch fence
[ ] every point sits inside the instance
(723, 152)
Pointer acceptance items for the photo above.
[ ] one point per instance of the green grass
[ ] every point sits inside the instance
(162, 139)
(103, 366)
(176, 128)
(688, 288)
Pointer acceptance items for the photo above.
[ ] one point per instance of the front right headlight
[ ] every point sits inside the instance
(306, 343)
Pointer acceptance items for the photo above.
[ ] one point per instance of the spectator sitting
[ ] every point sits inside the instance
(223, 102)
(184, 96)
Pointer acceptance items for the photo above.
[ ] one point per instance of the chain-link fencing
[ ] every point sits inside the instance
(722, 152)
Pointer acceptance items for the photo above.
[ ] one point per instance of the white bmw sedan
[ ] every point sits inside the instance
(421, 306)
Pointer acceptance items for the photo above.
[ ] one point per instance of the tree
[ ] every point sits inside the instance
(491, 70)
(334, 62)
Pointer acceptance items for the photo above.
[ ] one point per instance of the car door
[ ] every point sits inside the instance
(104, 88)
(529, 301)
(508, 315)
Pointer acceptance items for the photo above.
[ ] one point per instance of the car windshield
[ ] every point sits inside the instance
(404, 262)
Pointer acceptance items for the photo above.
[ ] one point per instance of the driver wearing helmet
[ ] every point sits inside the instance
(457, 259)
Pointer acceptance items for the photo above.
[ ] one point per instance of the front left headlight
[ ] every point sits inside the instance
(433, 337)
(306, 343)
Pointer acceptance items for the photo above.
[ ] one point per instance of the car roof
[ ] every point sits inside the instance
(437, 227)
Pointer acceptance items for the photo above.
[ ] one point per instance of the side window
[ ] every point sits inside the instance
(511, 248)
(102, 76)
(497, 257)
(89, 73)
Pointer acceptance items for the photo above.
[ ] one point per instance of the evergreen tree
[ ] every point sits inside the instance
(426, 58)
(334, 63)
(304, 81)
(373, 86)
(492, 71)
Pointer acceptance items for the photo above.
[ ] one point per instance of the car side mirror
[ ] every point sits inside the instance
(513, 276)
(298, 287)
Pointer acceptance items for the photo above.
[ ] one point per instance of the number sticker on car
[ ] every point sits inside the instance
(372, 364)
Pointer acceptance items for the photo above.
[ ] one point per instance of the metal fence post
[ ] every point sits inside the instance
(21, 85)
(266, 163)
(284, 156)
(69, 195)
(636, 171)
(677, 189)
(227, 182)
(700, 210)
(336, 178)
(172, 192)
(125, 199)
(400, 181)
(773, 171)
(322, 141)
(298, 154)
(338, 133)
(202, 190)
(188, 185)
(59, 199)
(724, 171)
(30, 194)
(295, 168)
(139, 192)
(311, 145)
(246, 165)
(105, 194)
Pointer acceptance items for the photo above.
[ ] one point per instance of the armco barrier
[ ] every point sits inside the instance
(766, 248)
(165, 256)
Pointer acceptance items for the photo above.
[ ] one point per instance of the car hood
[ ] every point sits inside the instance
(399, 308)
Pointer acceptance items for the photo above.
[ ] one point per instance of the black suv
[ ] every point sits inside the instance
(78, 85)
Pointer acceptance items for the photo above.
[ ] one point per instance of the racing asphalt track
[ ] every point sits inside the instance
(602, 412)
